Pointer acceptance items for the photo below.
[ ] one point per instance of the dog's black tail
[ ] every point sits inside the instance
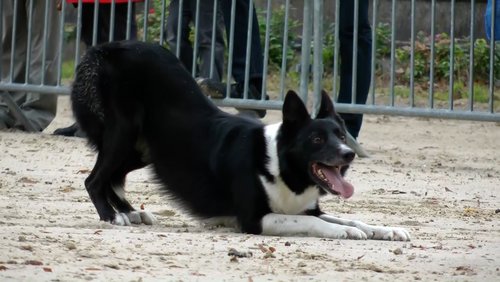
(86, 100)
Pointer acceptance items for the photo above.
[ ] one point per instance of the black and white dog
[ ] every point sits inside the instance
(138, 105)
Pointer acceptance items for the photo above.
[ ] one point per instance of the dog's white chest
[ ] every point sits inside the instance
(283, 200)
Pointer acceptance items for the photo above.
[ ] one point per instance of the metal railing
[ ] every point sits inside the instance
(391, 92)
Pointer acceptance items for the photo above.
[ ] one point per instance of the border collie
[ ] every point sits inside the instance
(138, 105)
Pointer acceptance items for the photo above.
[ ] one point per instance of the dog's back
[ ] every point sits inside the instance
(120, 79)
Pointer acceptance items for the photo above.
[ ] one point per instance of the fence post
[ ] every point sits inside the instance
(305, 51)
(318, 55)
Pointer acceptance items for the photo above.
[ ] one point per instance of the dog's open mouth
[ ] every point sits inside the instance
(331, 179)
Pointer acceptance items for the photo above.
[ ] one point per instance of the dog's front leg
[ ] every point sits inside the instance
(295, 225)
(372, 231)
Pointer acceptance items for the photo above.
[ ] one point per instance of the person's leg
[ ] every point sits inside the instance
(103, 23)
(40, 109)
(206, 15)
(121, 15)
(87, 24)
(19, 54)
(256, 61)
(186, 50)
(240, 43)
(346, 28)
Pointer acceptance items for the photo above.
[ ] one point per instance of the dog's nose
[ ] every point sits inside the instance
(346, 153)
(348, 156)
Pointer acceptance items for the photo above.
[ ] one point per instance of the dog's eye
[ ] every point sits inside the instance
(318, 140)
(342, 137)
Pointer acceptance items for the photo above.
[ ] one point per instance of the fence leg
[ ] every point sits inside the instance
(16, 111)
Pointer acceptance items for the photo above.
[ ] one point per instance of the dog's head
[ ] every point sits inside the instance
(314, 151)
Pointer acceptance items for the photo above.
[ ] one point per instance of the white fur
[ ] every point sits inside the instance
(372, 232)
(121, 219)
(281, 198)
(293, 225)
(287, 207)
(147, 218)
(271, 133)
(119, 191)
(345, 149)
(135, 217)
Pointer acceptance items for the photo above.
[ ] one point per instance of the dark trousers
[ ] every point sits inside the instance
(346, 29)
(104, 24)
(240, 42)
(205, 21)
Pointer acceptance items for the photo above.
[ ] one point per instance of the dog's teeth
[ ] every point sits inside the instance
(322, 176)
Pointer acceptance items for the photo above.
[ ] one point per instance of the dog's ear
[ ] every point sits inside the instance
(294, 110)
(326, 109)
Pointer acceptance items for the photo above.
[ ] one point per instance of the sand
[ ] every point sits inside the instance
(440, 179)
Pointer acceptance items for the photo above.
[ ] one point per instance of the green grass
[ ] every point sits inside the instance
(68, 70)
(481, 94)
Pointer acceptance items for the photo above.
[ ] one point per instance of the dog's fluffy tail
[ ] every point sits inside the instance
(86, 100)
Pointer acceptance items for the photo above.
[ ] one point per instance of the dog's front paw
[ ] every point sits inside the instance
(387, 233)
(134, 217)
(347, 232)
(356, 234)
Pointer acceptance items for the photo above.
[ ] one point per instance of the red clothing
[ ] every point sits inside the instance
(102, 1)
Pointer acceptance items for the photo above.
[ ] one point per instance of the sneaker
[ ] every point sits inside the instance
(72, 130)
(212, 88)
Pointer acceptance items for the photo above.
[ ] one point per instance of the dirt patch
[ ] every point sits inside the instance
(440, 179)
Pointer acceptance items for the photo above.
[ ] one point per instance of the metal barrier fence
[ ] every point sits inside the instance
(432, 75)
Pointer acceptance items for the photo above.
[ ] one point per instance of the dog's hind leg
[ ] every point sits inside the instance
(117, 144)
(97, 192)
(116, 195)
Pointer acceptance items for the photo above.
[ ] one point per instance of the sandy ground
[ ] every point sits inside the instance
(439, 179)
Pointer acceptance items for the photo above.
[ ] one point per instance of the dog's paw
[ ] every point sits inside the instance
(387, 233)
(346, 232)
(121, 219)
(147, 218)
(135, 217)
(356, 234)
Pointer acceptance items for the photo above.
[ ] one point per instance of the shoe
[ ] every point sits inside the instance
(72, 130)
(212, 88)
(217, 90)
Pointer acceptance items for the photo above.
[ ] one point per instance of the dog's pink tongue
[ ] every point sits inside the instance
(338, 184)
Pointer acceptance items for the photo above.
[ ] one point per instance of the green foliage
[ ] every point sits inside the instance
(442, 60)
(383, 40)
(481, 94)
(67, 69)
(276, 35)
(329, 45)
(154, 21)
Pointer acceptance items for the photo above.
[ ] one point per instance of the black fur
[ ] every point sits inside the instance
(138, 105)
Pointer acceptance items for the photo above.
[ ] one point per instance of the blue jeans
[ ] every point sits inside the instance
(346, 29)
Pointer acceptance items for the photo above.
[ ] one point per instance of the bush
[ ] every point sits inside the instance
(276, 35)
(442, 60)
